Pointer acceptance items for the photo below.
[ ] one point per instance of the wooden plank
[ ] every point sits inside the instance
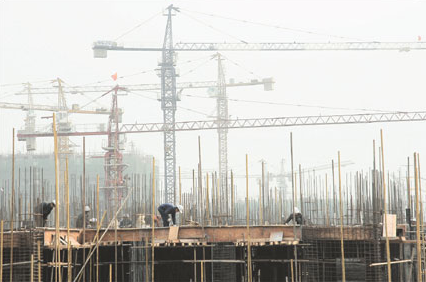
(391, 226)
(276, 236)
(211, 234)
(173, 233)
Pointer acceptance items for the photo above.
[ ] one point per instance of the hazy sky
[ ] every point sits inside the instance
(42, 40)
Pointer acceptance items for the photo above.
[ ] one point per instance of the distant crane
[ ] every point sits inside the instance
(168, 75)
(113, 159)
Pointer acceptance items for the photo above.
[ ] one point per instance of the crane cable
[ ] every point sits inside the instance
(296, 105)
(212, 27)
(242, 67)
(137, 26)
(277, 26)
(138, 73)
(184, 108)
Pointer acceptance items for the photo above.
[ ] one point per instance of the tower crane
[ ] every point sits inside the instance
(63, 123)
(113, 159)
(168, 74)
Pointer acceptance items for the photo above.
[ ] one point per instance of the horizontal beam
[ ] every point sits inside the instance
(273, 46)
(141, 87)
(26, 107)
(278, 122)
(392, 262)
(47, 108)
(210, 234)
(252, 123)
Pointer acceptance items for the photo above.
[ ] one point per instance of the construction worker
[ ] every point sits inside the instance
(79, 222)
(167, 210)
(126, 222)
(297, 215)
(41, 212)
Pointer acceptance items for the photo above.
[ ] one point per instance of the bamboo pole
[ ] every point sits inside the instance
(12, 206)
(249, 271)
(300, 189)
(110, 273)
(292, 271)
(78, 276)
(32, 268)
(326, 201)
(260, 204)
(83, 202)
(200, 184)
(98, 225)
(1, 250)
(195, 264)
(57, 249)
(39, 261)
(202, 271)
(293, 190)
(207, 200)
(180, 190)
(95, 239)
(262, 196)
(232, 198)
(341, 223)
(334, 193)
(385, 211)
(146, 259)
(194, 199)
(409, 192)
(418, 246)
(421, 215)
(152, 219)
(68, 221)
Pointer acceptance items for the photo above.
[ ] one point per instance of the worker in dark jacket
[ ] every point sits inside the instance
(169, 209)
(81, 218)
(297, 215)
(126, 222)
(41, 212)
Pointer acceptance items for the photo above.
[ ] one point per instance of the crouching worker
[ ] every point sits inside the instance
(83, 218)
(41, 212)
(169, 209)
(297, 216)
(126, 222)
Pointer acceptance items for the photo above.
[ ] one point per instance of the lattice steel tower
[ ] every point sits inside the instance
(168, 105)
(222, 131)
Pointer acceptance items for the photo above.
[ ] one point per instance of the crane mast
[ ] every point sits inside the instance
(113, 159)
(222, 131)
(168, 105)
(30, 120)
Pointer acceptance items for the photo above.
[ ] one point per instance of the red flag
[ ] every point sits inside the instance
(114, 76)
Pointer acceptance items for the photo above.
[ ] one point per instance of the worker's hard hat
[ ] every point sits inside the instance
(180, 208)
(87, 208)
(296, 210)
(54, 202)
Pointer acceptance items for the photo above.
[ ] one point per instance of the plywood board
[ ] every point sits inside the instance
(173, 233)
(276, 236)
(391, 225)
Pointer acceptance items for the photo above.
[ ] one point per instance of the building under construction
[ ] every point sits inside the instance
(220, 237)
(302, 224)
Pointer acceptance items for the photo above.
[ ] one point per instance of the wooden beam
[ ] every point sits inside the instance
(213, 234)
